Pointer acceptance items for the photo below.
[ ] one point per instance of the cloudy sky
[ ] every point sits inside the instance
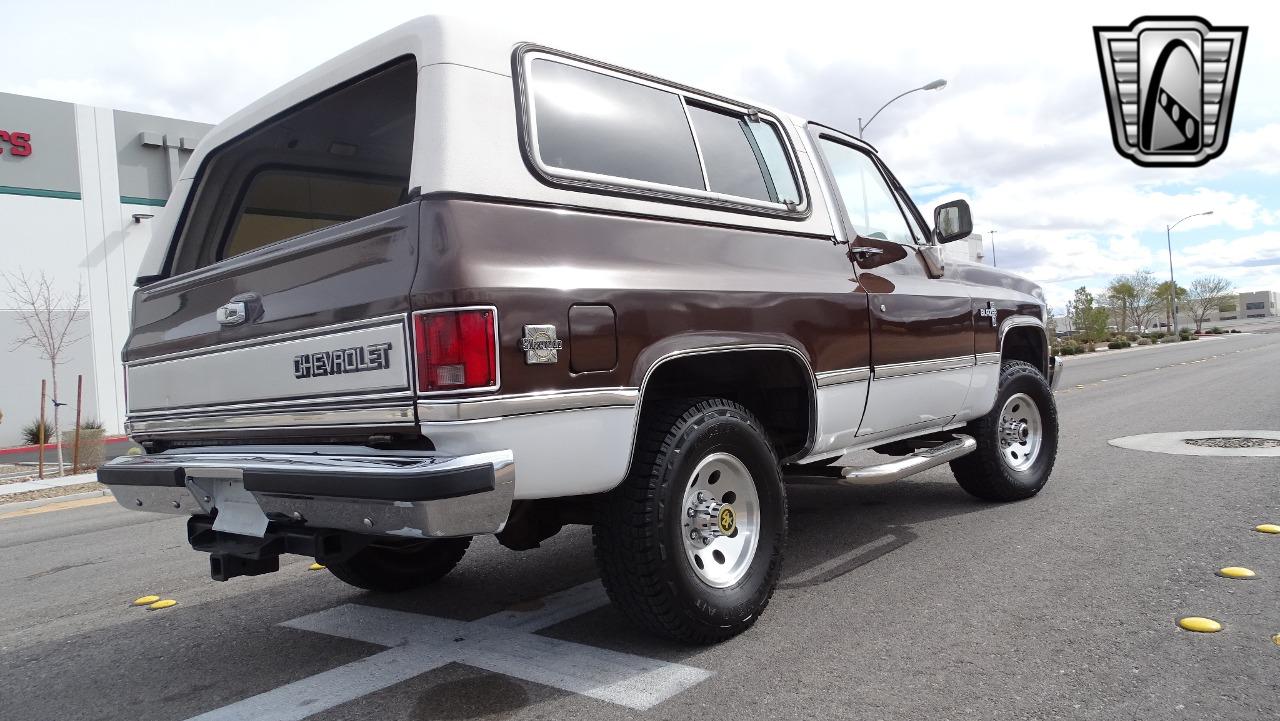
(1021, 129)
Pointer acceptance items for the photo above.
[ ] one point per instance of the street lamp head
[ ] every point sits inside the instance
(936, 85)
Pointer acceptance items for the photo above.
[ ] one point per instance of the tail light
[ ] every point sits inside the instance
(455, 349)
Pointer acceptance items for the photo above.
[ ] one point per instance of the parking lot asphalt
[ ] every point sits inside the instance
(909, 600)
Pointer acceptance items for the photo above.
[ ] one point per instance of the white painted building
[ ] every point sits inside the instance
(78, 188)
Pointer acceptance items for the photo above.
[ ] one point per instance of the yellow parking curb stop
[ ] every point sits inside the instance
(1199, 624)
(1238, 572)
(1267, 528)
(166, 603)
(316, 567)
(145, 600)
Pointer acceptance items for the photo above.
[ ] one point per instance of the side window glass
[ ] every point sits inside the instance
(742, 157)
(596, 123)
(920, 230)
(873, 210)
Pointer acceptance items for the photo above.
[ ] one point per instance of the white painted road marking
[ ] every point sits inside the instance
(503, 642)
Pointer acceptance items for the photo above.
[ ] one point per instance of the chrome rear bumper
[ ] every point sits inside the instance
(388, 493)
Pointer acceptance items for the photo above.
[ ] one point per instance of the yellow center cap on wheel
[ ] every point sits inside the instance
(727, 522)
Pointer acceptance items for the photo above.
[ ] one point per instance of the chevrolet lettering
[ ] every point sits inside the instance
(346, 360)
(508, 317)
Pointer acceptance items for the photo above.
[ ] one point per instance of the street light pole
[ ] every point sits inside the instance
(994, 263)
(1173, 285)
(935, 85)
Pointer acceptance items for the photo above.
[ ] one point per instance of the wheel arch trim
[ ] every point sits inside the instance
(811, 388)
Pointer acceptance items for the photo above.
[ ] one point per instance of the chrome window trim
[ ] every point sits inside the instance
(271, 339)
(697, 144)
(497, 350)
(844, 375)
(988, 358)
(524, 57)
(397, 416)
(897, 370)
(525, 403)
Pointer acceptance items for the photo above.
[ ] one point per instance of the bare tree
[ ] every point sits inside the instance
(1144, 303)
(47, 318)
(1206, 294)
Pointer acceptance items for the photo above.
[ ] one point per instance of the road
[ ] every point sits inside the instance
(903, 601)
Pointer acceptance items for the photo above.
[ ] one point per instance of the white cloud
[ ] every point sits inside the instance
(1021, 127)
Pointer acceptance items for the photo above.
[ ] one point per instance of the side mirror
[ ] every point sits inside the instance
(952, 221)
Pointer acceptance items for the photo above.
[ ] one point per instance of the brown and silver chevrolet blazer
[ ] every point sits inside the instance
(454, 283)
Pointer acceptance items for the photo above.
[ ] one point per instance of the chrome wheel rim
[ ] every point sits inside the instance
(1021, 432)
(721, 520)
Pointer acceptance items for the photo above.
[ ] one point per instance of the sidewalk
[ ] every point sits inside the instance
(1104, 351)
(12, 489)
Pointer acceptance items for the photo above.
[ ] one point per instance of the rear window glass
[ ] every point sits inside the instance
(596, 123)
(743, 157)
(337, 157)
(283, 203)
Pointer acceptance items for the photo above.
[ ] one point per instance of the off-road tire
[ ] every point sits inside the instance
(638, 534)
(983, 473)
(391, 569)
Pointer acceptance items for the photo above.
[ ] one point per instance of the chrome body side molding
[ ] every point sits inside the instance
(894, 370)
(845, 375)
(520, 404)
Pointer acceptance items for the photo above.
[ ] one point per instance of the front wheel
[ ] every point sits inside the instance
(690, 545)
(1017, 440)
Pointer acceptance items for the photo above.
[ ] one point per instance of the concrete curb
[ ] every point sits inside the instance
(23, 505)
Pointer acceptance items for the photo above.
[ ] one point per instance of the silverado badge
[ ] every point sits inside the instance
(540, 344)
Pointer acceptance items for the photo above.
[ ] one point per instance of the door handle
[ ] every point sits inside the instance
(862, 252)
(233, 313)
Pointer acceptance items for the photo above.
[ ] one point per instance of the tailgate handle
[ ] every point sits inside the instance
(232, 313)
(239, 308)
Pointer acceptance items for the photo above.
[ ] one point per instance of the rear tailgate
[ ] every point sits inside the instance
(325, 329)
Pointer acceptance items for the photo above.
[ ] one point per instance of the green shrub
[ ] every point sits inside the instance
(1118, 344)
(1067, 350)
(31, 432)
(1144, 341)
(1215, 330)
(92, 424)
(1131, 337)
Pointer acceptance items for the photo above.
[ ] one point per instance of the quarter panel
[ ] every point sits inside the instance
(664, 279)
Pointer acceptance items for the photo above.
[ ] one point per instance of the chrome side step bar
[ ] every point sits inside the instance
(908, 465)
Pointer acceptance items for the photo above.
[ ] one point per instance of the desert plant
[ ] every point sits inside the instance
(1215, 330)
(1144, 341)
(1118, 344)
(31, 432)
(91, 424)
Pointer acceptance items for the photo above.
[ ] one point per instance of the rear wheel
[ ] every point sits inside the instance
(1017, 440)
(400, 566)
(690, 545)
